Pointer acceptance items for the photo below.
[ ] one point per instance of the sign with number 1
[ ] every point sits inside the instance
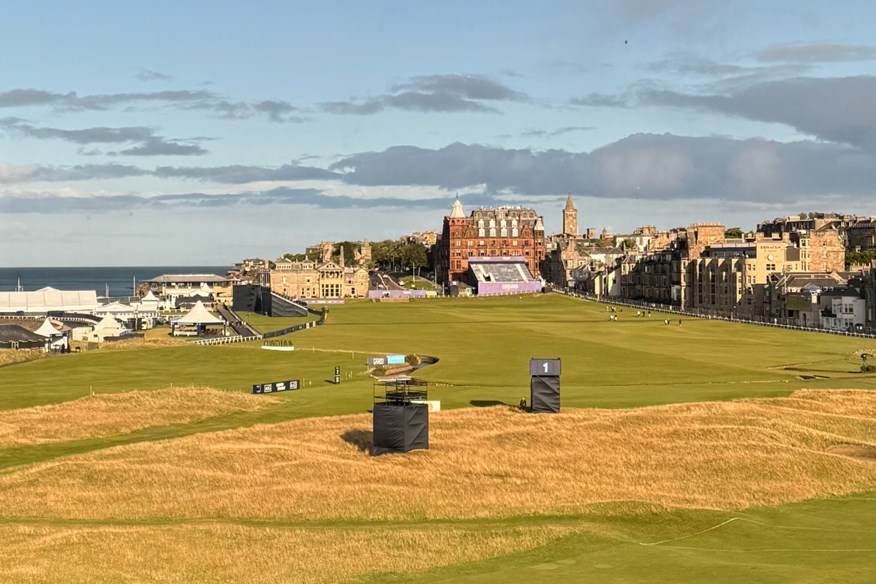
(544, 367)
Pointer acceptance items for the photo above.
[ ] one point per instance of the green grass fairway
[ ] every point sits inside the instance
(483, 346)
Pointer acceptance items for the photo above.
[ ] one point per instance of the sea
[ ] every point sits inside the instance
(114, 281)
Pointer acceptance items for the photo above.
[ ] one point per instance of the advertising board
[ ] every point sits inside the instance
(275, 386)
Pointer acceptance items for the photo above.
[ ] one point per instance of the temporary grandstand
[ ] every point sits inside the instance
(502, 275)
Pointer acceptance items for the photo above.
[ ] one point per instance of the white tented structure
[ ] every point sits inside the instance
(136, 316)
(56, 340)
(149, 303)
(107, 327)
(196, 322)
(48, 299)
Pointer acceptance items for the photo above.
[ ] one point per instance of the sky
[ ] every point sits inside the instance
(202, 133)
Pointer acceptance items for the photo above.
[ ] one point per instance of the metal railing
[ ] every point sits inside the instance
(240, 326)
(291, 329)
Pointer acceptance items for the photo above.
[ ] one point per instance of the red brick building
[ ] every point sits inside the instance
(504, 231)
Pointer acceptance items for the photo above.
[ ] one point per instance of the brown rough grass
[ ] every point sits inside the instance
(153, 338)
(483, 463)
(14, 356)
(241, 554)
(119, 413)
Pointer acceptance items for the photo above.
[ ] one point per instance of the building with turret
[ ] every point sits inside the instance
(503, 231)
(363, 254)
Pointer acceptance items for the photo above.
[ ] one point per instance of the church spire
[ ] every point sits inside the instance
(570, 218)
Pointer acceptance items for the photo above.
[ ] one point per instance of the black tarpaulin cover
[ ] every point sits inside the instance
(545, 394)
(400, 428)
(246, 298)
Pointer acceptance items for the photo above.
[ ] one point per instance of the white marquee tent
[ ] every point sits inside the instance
(56, 339)
(198, 318)
(48, 299)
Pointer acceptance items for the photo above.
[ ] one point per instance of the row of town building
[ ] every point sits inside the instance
(790, 270)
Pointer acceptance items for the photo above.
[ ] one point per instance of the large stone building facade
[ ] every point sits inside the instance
(701, 270)
(503, 231)
(309, 279)
(862, 234)
(856, 233)
(821, 250)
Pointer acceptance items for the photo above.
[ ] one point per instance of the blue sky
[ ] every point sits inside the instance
(204, 132)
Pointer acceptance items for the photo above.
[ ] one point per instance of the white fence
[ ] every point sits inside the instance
(227, 340)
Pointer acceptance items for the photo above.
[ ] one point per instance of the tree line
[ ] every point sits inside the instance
(393, 255)
(389, 255)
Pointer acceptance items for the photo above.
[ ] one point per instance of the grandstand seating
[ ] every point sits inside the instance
(511, 271)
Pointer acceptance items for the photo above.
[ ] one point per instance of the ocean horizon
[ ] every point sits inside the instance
(110, 281)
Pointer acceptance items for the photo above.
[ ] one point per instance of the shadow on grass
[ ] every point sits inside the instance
(363, 440)
(487, 403)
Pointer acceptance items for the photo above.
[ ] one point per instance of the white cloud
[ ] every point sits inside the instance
(12, 173)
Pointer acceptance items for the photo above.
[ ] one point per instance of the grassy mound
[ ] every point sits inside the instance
(121, 413)
(483, 463)
(248, 554)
